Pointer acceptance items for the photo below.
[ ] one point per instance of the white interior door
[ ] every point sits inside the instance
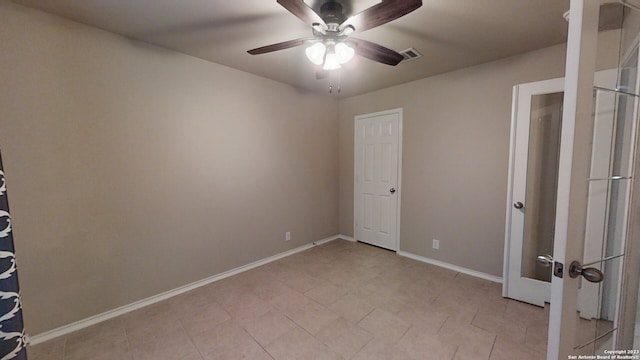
(377, 178)
(536, 121)
(593, 204)
(535, 145)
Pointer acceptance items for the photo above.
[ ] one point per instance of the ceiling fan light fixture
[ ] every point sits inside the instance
(347, 30)
(317, 27)
(331, 61)
(316, 52)
(344, 52)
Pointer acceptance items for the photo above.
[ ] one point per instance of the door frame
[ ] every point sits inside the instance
(399, 112)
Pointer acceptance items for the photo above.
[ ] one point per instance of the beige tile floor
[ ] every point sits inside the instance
(341, 300)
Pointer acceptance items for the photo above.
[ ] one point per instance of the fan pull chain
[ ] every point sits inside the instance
(332, 77)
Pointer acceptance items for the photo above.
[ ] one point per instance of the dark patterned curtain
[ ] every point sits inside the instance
(12, 335)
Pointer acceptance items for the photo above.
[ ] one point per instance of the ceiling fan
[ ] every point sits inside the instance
(331, 46)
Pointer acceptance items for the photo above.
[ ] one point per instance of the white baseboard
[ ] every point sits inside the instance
(456, 268)
(347, 237)
(84, 323)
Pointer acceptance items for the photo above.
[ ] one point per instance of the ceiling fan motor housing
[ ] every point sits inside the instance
(331, 12)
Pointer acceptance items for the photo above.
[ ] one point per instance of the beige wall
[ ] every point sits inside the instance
(133, 170)
(455, 154)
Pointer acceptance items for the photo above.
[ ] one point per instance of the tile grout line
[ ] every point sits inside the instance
(256, 340)
(454, 354)
(442, 325)
(365, 344)
(495, 338)
(190, 339)
(64, 348)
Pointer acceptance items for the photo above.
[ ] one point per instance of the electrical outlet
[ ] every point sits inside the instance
(436, 244)
(287, 236)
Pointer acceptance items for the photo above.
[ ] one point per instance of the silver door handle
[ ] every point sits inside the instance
(392, 190)
(545, 260)
(591, 274)
(518, 205)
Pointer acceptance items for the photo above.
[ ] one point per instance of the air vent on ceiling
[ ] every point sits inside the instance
(410, 54)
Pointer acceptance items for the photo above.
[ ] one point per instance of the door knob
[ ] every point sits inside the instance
(591, 274)
(392, 190)
(518, 205)
(545, 260)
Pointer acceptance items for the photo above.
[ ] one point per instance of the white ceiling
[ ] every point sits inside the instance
(451, 34)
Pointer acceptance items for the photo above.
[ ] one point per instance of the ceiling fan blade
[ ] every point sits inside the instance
(375, 52)
(382, 13)
(300, 9)
(279, 46)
